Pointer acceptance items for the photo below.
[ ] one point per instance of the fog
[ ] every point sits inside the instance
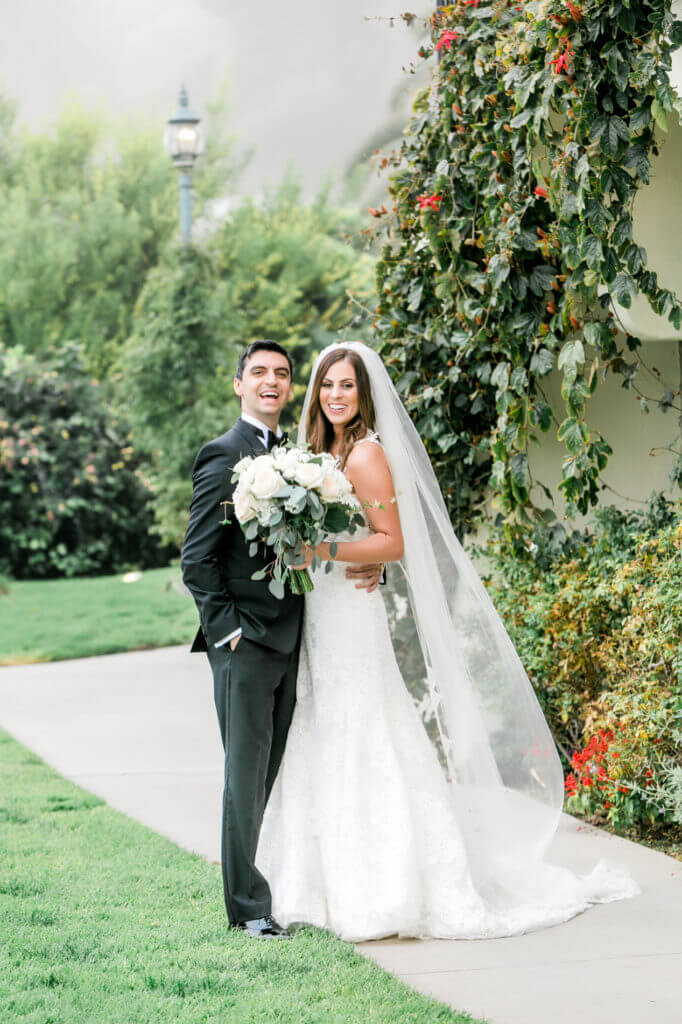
(309, 83)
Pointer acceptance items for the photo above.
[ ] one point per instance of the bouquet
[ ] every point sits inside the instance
(288, 498)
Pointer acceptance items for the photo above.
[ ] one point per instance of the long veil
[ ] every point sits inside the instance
(458, 662)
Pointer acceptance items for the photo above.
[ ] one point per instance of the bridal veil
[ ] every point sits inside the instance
(478, 705)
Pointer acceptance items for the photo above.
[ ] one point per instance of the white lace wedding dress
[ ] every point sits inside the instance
(360, 834)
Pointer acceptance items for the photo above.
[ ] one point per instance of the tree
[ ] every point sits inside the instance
(170, 382)
(85, 212)
(294, 272)
(283, 270)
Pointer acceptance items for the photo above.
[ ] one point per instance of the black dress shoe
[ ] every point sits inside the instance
(263, 928)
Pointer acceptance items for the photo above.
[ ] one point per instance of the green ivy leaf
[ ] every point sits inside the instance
(624, 290)
(497, 474)
(498, 270)
(542, 415)
(638, 161)
(415, 296)
(522, 118)
(639, 118)
(518, 467)
(541, 362)
(574, 434)
(591, 251)
(541, 278)
(572, 355)
(500, 376)
(658, 114)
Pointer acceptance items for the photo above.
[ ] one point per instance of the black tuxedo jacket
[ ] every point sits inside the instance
(216, 566)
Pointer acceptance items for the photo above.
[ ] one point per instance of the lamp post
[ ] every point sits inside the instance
(184, 142)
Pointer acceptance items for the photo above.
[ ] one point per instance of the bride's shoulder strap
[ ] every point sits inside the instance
(371, 435)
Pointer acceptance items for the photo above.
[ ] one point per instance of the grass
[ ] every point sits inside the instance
(49, 620)
(105, 922)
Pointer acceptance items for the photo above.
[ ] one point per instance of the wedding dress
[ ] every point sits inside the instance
(374, 826)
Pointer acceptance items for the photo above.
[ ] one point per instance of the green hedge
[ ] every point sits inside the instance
(73, 500)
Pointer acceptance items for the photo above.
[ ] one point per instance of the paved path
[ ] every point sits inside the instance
(140, 731)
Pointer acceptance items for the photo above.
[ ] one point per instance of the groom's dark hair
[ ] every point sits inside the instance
(261, 346)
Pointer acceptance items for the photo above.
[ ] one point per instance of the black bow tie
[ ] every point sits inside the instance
(273, 440)
(269, 439)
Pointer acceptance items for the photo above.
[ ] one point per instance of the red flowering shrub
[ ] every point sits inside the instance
(614, 777)
(599, 634)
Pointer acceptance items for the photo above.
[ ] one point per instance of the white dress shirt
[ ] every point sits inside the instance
(266, 434)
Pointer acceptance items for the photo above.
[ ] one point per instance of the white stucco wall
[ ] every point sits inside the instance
(657, 220)
(640, 463)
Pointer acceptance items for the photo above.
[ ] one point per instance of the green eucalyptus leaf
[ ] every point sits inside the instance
(276, 588)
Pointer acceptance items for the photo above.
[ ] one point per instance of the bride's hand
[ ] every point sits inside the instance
(305, 558)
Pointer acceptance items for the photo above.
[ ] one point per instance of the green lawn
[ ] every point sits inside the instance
(105, 922)
(48, 620)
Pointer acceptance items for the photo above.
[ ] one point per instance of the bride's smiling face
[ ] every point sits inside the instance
(339, 398)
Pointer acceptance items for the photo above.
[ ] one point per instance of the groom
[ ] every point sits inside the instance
(252, 639)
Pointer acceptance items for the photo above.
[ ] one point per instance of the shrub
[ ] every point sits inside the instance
(72, 499)
(599, 633)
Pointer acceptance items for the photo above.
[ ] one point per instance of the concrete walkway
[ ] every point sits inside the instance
(140, 731)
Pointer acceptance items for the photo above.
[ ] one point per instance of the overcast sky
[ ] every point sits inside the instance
(309, 82)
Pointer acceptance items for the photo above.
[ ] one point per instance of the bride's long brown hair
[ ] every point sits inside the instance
(319, 431)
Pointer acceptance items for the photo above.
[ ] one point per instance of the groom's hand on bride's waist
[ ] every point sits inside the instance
(367, 577)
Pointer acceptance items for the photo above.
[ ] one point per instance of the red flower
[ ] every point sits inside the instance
(471, 3)
(429, 202)
(447, 39)
(560, 62)
(540, 191)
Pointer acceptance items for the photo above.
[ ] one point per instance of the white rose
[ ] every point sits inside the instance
(244, 506)
(330, 489)
(309, 474)
(287, 461)
(266, 482)
(262, 462)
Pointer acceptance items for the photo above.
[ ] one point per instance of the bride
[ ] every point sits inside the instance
(420, 786)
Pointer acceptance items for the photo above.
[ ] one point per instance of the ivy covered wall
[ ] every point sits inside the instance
(513, 195)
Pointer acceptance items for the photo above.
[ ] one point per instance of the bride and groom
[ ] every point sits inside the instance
(345, 807)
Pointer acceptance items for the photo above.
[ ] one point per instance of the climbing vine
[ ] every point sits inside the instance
(511, 235)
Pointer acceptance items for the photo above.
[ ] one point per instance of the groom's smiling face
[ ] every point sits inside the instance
(265, 386)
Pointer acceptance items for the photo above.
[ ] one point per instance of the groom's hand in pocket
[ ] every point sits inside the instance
(367, 577)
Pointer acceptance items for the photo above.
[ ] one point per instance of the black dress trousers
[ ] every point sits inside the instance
(255, 693)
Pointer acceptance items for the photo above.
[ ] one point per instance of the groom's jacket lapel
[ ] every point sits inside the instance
(250, 435)
(216, 565)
